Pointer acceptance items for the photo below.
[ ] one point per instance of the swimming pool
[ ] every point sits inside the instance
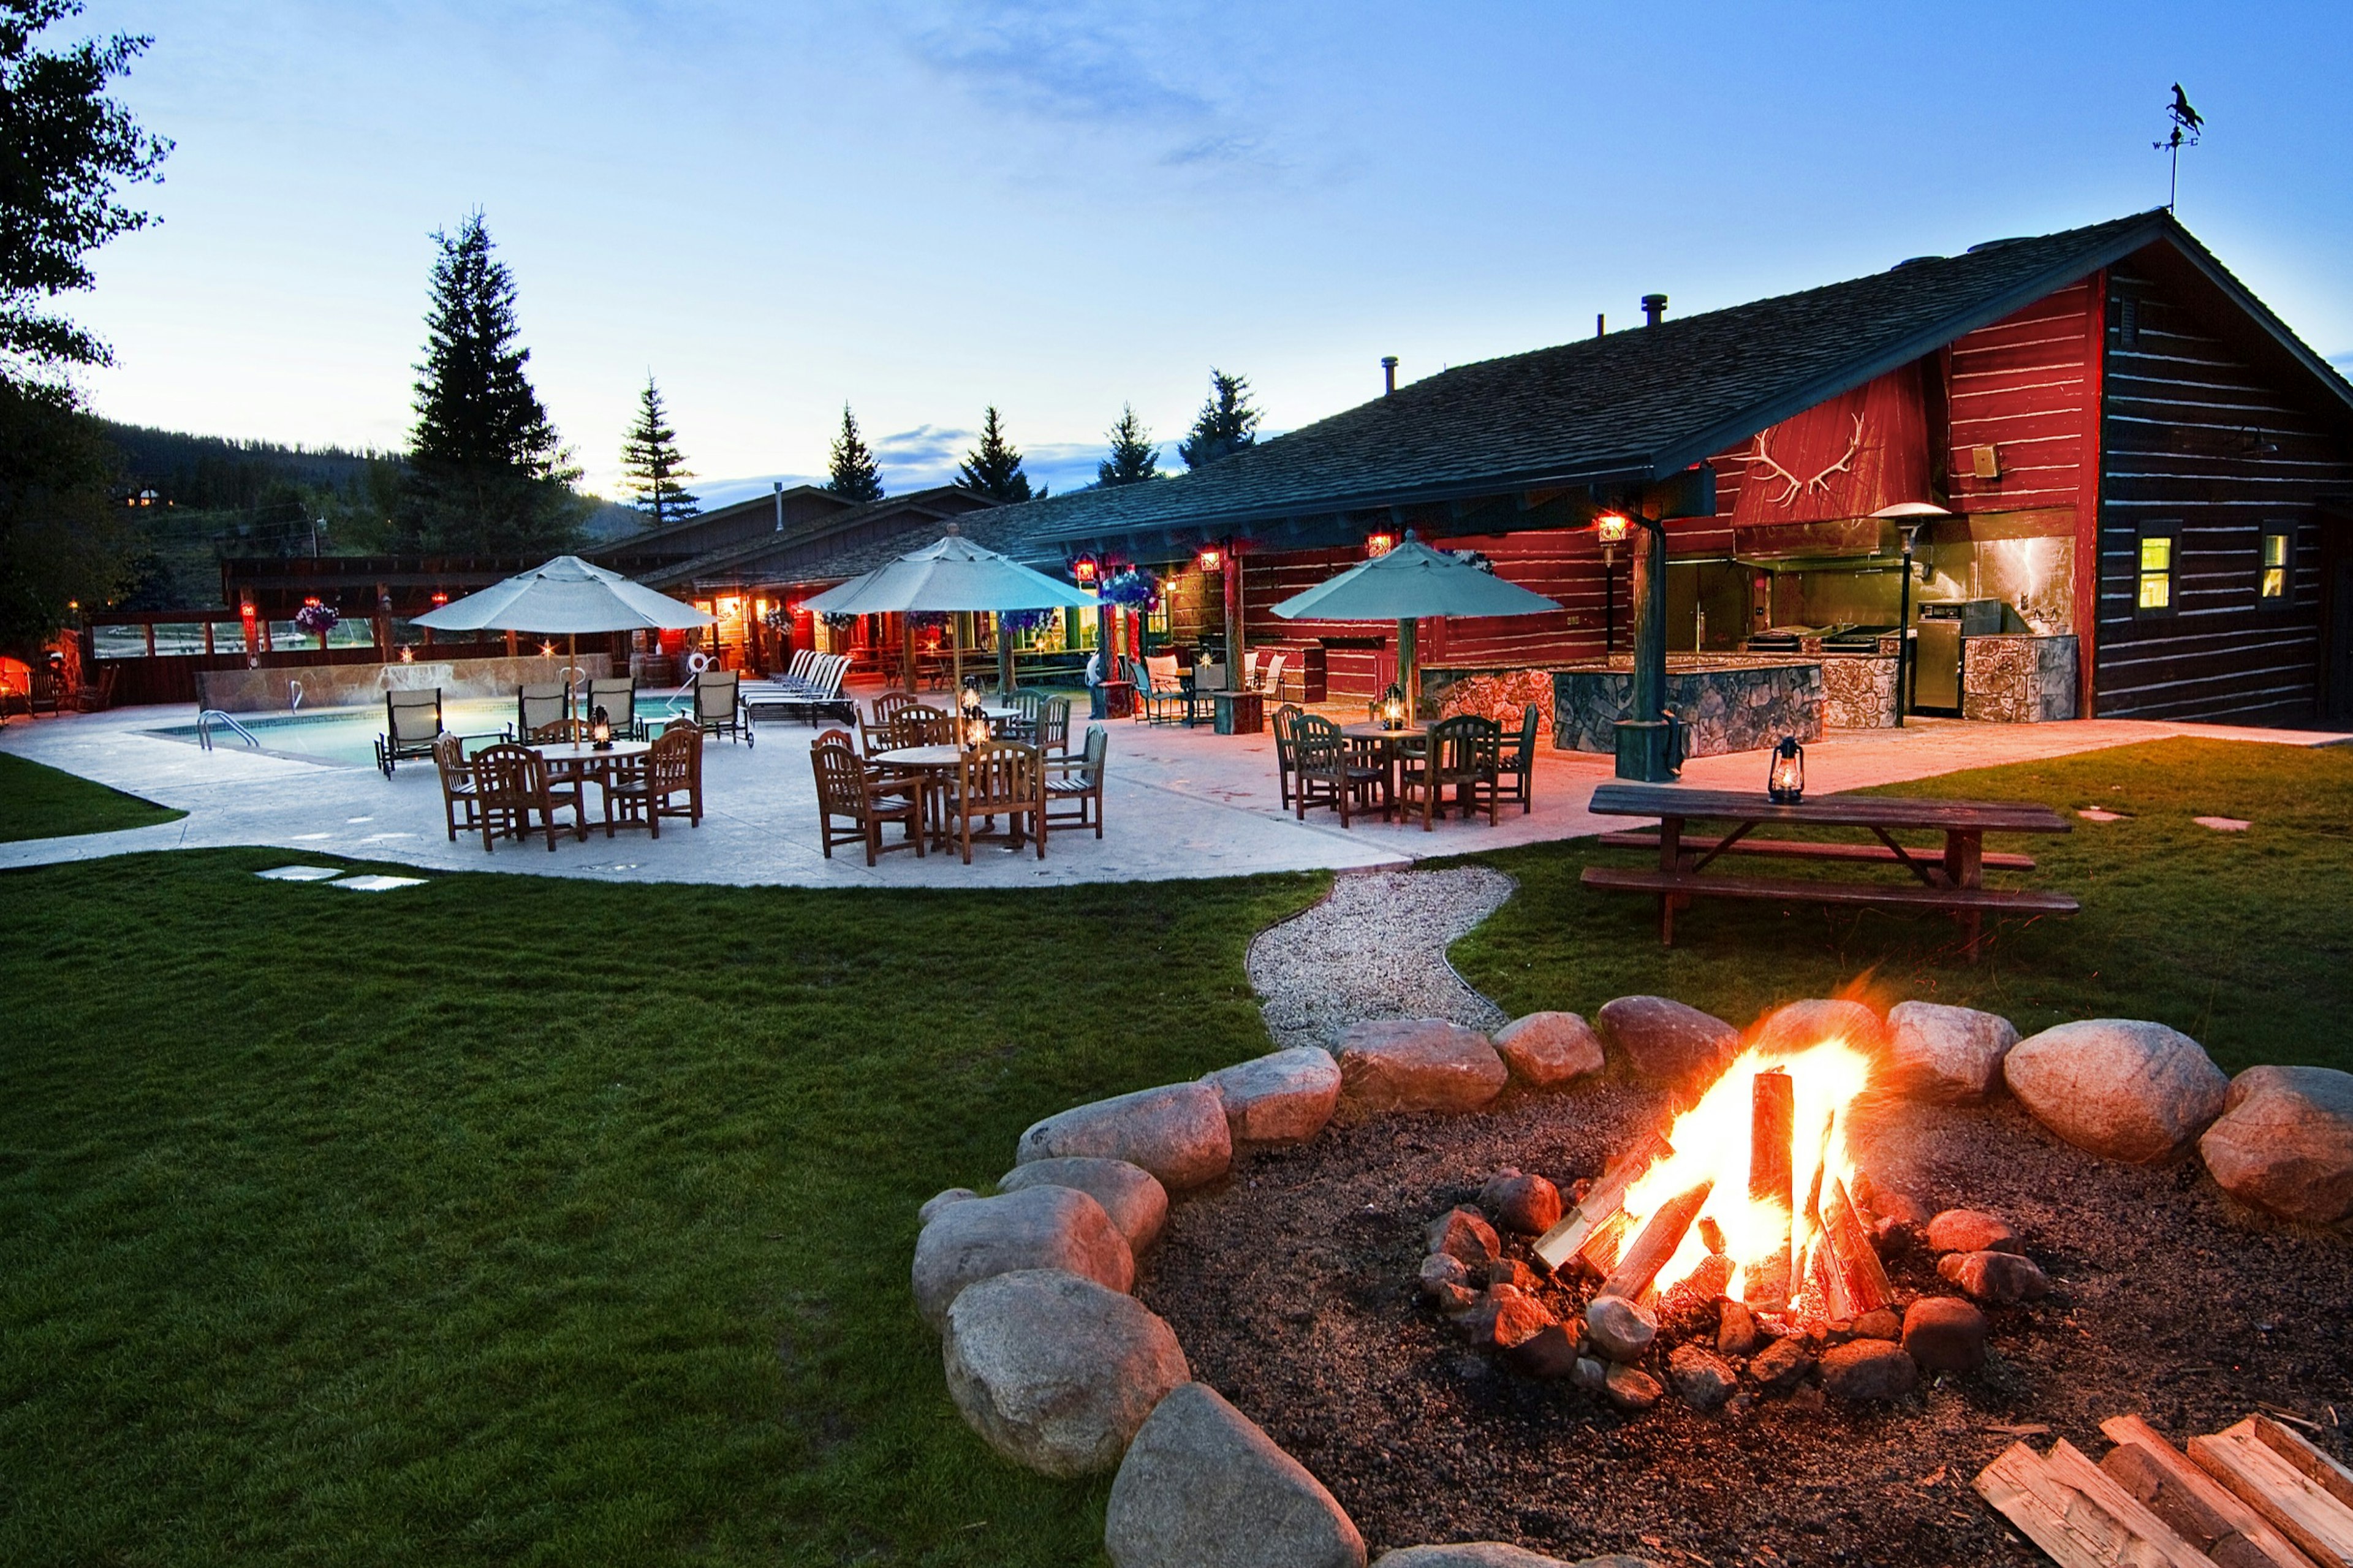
(343, 737)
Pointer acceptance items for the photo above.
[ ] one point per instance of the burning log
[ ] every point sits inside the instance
(1852, 1269)
(1654, 1244)
(1772, 1176)
(1590, 1229)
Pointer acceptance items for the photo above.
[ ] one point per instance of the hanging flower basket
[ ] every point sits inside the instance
(317, 620)
(1134, 590)
(1028, 620)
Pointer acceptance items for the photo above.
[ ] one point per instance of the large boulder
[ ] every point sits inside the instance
(1417, 1064)
(1468, 1554)
(1176, 1132)
(1952, 1056)
(1542, 1049)
(1800, 1026)
(1133, 1197)
(1284, 1097)
(1037, 1228)
(1056, 1373)
(1203, 1488)
(2120, 1089)
(1665, 1042)
(2285, 1142)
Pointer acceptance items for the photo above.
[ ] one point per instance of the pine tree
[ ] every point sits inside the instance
(486, 473)
(653, 465)
(1226, 424)
(993, 468)
(856, 474)
(1133, 457)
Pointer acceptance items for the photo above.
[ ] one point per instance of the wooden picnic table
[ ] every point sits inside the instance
(1953, 881)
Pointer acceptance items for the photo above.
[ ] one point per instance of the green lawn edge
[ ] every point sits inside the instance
(49, 802)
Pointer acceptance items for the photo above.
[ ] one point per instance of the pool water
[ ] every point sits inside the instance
(345, 737)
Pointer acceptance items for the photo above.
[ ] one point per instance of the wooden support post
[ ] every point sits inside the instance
(1654, 1244)
(1602, 1202)
(1857, 1281)
(1234, 627)
(1772, 1179)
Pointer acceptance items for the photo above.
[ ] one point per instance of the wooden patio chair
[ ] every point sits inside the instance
(666, 782)
(1286, 748)
(618, 696)
(539, 704)
(1517, 762)
(927, 726)
(1054, 727)
(1461, 753)
(847, 788)
(412, 723)
(1330, 773)
(889, 703)
(998, 779)
(461, 806)
(1025, 700)
(1078, 782)
(513, 791)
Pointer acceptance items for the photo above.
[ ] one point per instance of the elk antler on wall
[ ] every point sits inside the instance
(1762, 461)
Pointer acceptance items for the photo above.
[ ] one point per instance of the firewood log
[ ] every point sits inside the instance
(1772, 1124)
(1858, 1284)
(2304, 1510)
(2188, 1499)
(1654, 1244)
(1565, 1240)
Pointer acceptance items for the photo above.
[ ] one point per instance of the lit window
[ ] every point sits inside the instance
(2155, 572)
(2274, 578)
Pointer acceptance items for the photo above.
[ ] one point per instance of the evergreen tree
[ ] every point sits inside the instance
(1226, 424)
(855, 474)
(1133, 457)
(993, 468)
(652, 464)
(487, 474)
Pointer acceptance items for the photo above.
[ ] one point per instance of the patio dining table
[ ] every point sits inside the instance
(583, 761)
(936, 763)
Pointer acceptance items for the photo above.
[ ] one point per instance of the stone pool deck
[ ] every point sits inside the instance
(1179, 803)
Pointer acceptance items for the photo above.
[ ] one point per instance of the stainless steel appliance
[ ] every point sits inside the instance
(1937, 652)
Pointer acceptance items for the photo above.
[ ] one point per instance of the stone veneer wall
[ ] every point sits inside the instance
(1858, 691)
(1727, 704)
(357, 685)
(2018, 678)
(1498, 694)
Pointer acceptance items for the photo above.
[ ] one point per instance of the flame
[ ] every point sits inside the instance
(1710, 1142)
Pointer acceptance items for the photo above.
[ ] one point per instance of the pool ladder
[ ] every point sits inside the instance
(211, 716)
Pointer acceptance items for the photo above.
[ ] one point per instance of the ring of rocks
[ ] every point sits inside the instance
(1058, 1367)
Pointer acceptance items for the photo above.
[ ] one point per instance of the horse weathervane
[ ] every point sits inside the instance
(2187, 123)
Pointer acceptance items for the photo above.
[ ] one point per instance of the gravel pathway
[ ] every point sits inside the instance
(1376, 949)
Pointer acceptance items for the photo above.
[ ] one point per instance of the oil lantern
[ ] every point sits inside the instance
(600, 729)
(1785, 782)
(1393, 714)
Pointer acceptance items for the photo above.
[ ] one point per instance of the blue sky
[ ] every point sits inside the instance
(922, 208)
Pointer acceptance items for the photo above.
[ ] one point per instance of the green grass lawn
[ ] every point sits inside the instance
(45, 804)
(512, 1219)
(2242, 940)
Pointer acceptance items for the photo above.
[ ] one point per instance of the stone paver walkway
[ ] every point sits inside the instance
(1180, 804)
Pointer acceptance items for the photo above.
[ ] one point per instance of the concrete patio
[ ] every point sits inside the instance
(1178, 803)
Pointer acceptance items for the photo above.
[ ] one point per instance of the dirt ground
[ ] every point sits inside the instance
(1291, 1287)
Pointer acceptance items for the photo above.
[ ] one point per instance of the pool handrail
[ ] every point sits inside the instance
(205, 720)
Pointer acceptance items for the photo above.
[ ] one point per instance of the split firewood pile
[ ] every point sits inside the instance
(1657, 1278)
(2256, 1494)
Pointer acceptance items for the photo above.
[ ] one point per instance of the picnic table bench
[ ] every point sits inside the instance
(1952, 881)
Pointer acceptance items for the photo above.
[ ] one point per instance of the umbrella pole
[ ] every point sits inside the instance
(955, 638)
(907, 647)
(1004, 658)
(1410, 669)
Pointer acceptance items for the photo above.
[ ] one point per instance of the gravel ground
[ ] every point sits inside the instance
(1376, 949)
(1291, 1287)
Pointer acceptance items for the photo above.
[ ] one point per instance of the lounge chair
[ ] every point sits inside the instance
(1078, 782)
(412, 722)
(1270, 674)
(995, 779)
(1330, 773)
(668, 783)
(718, 706)
(461, 806)
(539, 705)
(1160, 691)
(618, 696)
(847, 788)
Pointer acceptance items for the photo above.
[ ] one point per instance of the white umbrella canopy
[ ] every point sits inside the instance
(566, 595)
(954, 575)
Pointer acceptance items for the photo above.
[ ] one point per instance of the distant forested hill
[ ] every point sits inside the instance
(213, 473)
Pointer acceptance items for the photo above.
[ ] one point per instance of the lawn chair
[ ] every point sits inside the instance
(461, 805)
(1078, 782)
(718, 705)
(1460, 753)
(1160, 691)
(539, 705)
(412, 722)
(1286, 748)
(1517, 761)
(668, 783)
(847, 788)
(1269, 675)
(512, 789)
(1054, 727)
(1329, 772)
(618, 696)
(995, 779)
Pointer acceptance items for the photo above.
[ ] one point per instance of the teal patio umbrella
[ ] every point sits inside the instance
(1410, 582)
(567, 596)
(953, 576)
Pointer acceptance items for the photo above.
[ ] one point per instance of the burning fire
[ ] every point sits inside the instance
(1765, 1152)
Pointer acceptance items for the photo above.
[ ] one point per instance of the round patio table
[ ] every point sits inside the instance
(1395, 745)
(582, 759)
(935, 763)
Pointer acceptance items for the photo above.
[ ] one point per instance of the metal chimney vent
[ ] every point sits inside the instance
(1654, 309)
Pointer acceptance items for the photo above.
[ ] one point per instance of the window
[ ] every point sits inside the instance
(2128, 321)
(2271, 585)
(2155, 570)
